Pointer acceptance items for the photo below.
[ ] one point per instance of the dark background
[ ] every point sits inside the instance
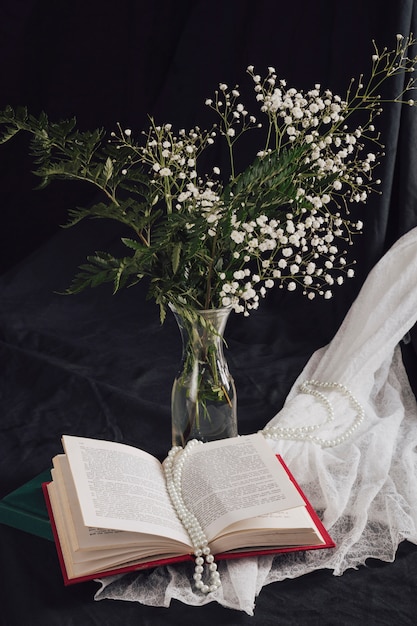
(98, 365)
(106, 65)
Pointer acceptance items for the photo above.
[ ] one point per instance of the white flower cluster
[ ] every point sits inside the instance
(285, 220)
(234, 116)
(332, 150)
(173, 161)
(300, 253)
(297, 249)
(300, 249)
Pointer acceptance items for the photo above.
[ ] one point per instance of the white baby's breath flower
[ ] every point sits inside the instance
(285, 220)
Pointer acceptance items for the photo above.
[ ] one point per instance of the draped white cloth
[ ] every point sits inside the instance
(366, 487)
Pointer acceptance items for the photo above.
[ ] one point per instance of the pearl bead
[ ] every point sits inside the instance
(303, 433)
(173, 468)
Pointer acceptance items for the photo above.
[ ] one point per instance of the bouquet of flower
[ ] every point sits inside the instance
(208, 240)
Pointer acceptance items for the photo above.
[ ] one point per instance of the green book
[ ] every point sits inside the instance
(25, 508)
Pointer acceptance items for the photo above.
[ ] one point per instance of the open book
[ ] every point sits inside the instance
(111, 512)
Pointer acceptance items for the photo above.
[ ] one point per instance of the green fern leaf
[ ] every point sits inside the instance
(108, 170)
(175, 259)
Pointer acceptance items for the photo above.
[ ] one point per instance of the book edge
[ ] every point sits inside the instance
(110, 572)
(18, 510)
(328, 541)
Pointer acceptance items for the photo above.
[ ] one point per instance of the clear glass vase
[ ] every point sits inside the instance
(203, 401)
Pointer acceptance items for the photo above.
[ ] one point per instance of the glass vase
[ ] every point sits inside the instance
(203, 401)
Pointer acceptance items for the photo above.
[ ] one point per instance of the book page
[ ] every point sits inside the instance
(234, 479)
(87, 538)
(121, 487)
(283, 528)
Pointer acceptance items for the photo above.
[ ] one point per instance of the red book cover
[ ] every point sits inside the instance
(328, 543)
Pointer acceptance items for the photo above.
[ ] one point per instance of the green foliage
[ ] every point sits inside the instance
(269, 182)
(204, 242)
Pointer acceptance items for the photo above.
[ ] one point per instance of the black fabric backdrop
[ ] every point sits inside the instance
(101, 365)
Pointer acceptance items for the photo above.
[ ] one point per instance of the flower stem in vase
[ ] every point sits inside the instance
(203, 402)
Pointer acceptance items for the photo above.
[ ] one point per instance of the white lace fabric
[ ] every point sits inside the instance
(365, 489)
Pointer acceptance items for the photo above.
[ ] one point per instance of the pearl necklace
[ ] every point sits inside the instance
(306, 433)
(173, 466)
